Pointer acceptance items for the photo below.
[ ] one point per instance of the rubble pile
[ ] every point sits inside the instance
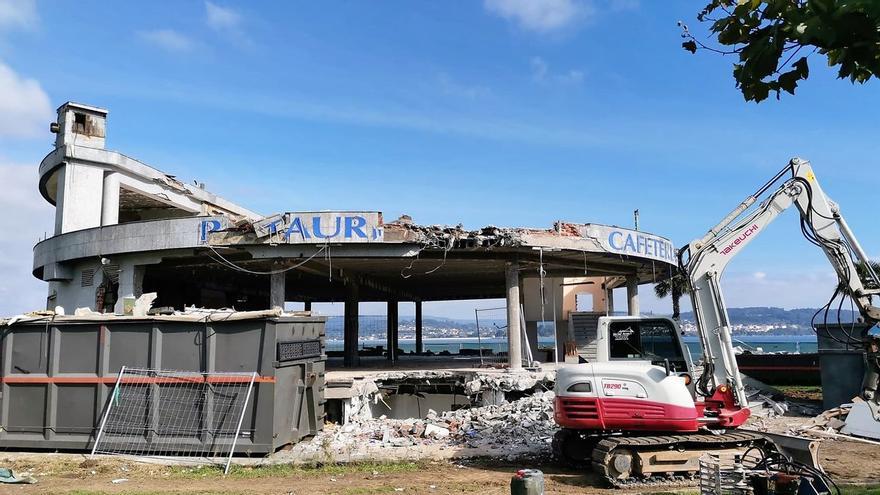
(830, 421)
(507, 382)
(447, 237)
(511, 429)
(764, 406)
(526, 423)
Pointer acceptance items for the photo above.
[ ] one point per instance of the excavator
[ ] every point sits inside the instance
(637, 411)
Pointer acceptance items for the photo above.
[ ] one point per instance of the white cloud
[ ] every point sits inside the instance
(221, 18)
(572, 76)
(18, 14)
(539, 68)
(33, 219)
(541, 73)
(759, 275)
(542, 16)
(453, 88)
(24, 105)
(227, 23)
(168, 39)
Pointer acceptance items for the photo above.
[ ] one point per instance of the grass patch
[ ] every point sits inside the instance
(801, 392)
(288, 470)
(860, 490)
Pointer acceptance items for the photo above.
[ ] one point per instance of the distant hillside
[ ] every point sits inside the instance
(775, 316)
(745, 321)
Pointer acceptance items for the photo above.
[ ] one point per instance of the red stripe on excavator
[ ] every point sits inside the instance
(779, 368)
(592, 413)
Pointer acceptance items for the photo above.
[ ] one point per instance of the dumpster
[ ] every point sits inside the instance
(841, 362)
(58, 372)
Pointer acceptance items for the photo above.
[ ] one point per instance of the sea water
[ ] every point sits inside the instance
(766, 343)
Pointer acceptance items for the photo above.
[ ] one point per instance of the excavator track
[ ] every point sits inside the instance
(610, 456)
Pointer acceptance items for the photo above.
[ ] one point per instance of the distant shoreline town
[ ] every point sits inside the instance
(746, 322)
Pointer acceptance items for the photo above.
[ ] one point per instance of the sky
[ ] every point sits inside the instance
(501, 112)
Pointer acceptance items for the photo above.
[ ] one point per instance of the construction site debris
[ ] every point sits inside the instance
(85, 312)
(830, 421)
(188, 314)
(143, 304)
(521, 427)
(7, 476)
(828, 425)
(765, 406)
(508, 382)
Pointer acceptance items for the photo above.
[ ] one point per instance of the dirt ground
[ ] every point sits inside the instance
(847, 462)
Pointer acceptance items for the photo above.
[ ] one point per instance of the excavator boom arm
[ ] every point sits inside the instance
(703, 262)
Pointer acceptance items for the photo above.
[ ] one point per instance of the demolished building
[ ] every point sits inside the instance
(124, 228)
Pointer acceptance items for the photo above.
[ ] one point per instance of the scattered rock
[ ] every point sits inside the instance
(436, 431)
(521, 427)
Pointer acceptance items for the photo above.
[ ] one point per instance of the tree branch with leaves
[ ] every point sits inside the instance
(773, 40)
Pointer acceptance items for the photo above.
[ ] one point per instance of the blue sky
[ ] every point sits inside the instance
(505, 112)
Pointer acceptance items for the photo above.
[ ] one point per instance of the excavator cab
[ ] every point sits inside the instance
(637, 376)
(657, 340)
(621, 339)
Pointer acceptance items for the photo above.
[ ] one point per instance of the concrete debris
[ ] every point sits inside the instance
(85, 312)
(434, 431)
(143, 304)
(189, 314)
(268, 225)
(762, 403)
(508, 382)
(827, 425)
(366, 393)
(446, 237)
(513, 429)
(830, 421)
(765, 406)
(9, 477)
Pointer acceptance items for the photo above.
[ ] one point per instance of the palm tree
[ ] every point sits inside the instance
(863, 273)
(675, 286)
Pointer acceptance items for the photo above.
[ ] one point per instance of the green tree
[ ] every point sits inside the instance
(675, 286)
(864, 275)
(774, 38)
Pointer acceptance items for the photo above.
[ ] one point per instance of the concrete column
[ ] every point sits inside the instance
(131, 283)
(609, 301)
(350, 333)
(110, 203)
(276, 290)
(392, 338)
(514, 332)
(632, 295)
(419, 345)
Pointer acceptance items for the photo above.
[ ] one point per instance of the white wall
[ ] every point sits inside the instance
(80, 190)
(71, 294)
